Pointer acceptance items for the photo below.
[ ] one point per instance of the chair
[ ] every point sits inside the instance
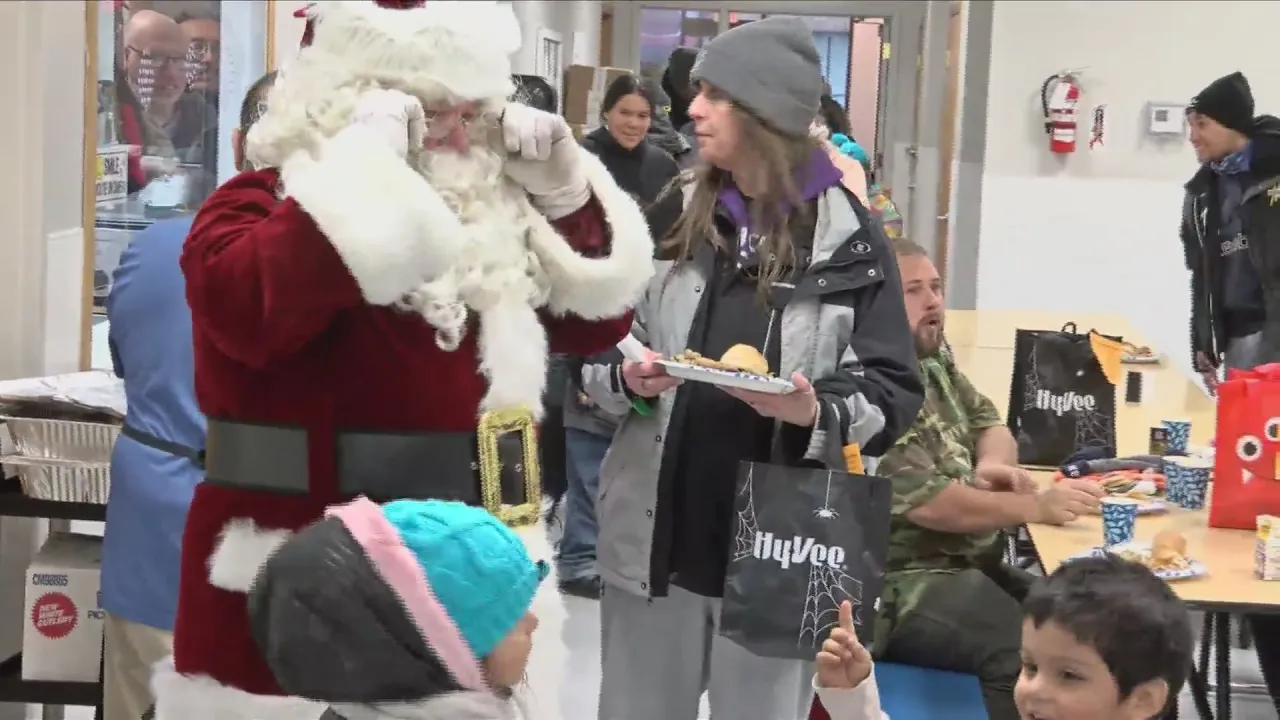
(915, 693)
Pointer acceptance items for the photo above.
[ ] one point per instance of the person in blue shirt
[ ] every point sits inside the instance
(158, 460)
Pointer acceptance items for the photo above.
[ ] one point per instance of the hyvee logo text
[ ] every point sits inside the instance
(797, 550)
(1064, 403)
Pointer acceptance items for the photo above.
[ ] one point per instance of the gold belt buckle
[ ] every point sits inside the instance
(493, 425)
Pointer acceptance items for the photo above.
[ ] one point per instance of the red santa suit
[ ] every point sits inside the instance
(321, 290)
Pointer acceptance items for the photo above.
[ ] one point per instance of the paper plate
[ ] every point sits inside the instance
(1151, 507)
(1194, 570)
(727, 378)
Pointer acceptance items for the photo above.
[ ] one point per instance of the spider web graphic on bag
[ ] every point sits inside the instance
(744, 541)
(1093, 426)
(827, 588)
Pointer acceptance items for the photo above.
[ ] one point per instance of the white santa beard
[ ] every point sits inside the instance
(496, 276)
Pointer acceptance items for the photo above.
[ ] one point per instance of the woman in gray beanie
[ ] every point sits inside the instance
(770, 252)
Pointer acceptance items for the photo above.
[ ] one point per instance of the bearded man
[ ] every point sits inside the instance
(949, 602)
(366, 303)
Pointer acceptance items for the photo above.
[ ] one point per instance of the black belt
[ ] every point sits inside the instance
(167, 446)
(495, 467)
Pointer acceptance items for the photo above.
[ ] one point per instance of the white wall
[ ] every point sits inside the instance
(1098, 231)
(42, 45)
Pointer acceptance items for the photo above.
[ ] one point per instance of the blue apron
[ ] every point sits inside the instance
(155, 465)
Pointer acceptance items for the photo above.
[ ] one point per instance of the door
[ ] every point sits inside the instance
(645, 33)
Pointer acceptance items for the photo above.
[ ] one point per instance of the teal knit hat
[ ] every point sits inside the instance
(478, 568)
(850, 148)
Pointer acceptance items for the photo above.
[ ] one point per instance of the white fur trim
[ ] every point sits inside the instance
(241, 550)
(199, 697)
(461, 48)
(392, 229)
(513, 356)
(596, 288)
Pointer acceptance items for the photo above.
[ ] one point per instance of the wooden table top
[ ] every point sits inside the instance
(983, 345)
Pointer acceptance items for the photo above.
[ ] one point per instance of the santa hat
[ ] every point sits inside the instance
(462, 47)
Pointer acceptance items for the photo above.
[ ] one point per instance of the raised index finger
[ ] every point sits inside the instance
(846, 617)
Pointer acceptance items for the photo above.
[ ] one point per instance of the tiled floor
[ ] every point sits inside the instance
(564, 672)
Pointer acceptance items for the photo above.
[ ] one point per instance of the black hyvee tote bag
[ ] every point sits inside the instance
(1060, 401)
(805, 540)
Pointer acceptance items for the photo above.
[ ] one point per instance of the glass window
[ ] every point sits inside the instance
(170, 78)
(662, 31)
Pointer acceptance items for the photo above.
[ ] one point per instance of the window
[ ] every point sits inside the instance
(833, 53)
(171, 76)
(662, 31)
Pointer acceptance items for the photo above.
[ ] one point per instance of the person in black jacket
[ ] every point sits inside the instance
(643, 169)
(1231, 239)
(773, 252)
(1231, 231)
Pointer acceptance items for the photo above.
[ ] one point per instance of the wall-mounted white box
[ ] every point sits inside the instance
(1166, 118)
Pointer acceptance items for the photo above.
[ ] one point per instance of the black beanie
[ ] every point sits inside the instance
(1228, 100)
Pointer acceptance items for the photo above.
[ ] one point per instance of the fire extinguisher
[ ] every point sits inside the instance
(1058, 99)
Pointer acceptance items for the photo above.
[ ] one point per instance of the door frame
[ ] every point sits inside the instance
(905, 25)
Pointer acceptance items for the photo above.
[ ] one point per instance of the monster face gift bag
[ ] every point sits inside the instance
(1062, 398)
(805, 540)
(1246, 465)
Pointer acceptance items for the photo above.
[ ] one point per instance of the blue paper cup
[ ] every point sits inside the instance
(1177, 435)
(1192, 482)
(1119, 515)
(1172, 481)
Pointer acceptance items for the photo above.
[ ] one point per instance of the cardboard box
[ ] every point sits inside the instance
(62, 635)
(1266, 549)
(584, 89)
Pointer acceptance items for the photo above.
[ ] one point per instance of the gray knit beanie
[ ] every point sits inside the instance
(769, 67)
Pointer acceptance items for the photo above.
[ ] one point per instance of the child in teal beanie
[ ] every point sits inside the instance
(413, 609)
(420, 610)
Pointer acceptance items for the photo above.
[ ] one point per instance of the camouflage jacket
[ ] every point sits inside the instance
(938, 450)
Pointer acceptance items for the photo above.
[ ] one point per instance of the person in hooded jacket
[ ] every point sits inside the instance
(1231, 230)
(772, 252)
(675, 83)
(644, 170)
(663, 134)
(1231, 242)
(422, 610)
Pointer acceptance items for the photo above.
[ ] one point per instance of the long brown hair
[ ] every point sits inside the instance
(776, 157)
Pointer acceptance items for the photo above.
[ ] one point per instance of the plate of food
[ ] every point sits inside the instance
(1139, 355)
(1165, 556)
(1144, 490)
(742, 367)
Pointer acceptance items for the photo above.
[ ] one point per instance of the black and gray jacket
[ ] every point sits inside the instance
(644, 172)
(1259, 230)
(843, 324)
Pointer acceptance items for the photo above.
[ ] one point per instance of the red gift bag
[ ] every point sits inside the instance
(1246, 466)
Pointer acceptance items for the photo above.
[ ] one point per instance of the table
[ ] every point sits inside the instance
(982, 343)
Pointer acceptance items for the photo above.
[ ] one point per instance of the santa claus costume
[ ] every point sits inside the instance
(363, 304)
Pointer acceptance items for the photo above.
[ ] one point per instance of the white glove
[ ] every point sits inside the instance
(544, 160)
(393, 116)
